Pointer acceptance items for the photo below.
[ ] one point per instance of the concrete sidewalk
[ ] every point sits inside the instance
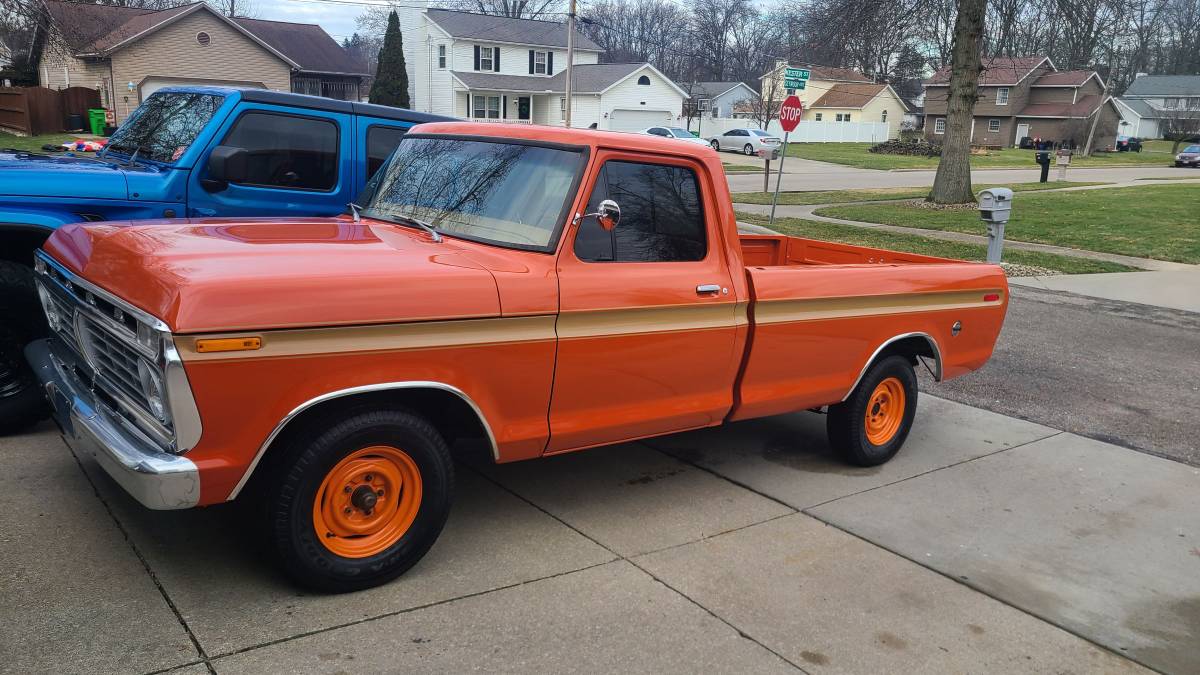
(1173, 289)
(988, 544)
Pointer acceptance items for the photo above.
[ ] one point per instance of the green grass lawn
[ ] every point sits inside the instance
(1151, 221)
(911, 243)
(842, 196)
(35, 143)
(855, 154)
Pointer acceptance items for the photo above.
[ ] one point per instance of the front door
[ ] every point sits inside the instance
(648, 318)
(523, 108)
(1022, 132)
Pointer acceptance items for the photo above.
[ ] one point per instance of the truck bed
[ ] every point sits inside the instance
(775, 250)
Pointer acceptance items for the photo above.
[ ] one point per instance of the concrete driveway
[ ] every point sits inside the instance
(989, 544)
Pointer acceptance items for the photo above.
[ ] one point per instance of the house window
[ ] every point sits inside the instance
(441, 57)
(843, 117)
(994, 126)
(487, 58)
(939, 125)
(662, 219)
(883, 116)
(487, 107)
(539, 63)
(643, 80)
(1002, 96)
(562, 107)
(818, 117)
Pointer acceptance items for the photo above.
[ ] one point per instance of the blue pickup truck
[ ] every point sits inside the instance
(186, 152)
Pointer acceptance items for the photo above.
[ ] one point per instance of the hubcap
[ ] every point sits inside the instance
(367, 502)
(885, 411)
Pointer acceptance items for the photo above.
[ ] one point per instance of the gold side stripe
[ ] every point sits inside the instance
(605, 322)
(387, 337)
(815, 309)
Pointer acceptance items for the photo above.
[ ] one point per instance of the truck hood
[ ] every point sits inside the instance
(210, 275)
(33, 175)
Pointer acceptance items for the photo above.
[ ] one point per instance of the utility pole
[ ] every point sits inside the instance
(570, 61)
(1087, 149)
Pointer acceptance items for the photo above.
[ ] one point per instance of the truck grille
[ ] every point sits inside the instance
(116, 364)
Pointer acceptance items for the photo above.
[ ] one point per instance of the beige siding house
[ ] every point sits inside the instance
(839, 95)
(129, 53)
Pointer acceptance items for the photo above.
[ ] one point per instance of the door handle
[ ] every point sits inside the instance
(704, 289)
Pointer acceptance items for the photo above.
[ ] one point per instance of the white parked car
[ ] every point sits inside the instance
(674, 132)
(746, 141)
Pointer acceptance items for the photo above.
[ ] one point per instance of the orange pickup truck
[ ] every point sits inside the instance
(544, 290)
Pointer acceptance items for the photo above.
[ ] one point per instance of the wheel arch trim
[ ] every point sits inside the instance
(353, 391)
(933, 345)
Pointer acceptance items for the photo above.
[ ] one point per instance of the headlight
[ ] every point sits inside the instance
(152, 389)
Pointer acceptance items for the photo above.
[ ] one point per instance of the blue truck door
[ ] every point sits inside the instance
(298, 162)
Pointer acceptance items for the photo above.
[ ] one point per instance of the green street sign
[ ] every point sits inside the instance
(789, 83)
(796, 73)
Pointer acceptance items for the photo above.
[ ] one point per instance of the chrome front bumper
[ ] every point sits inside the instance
(157, 479)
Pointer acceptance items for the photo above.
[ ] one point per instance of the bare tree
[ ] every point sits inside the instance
(1179, 126)
(952, 184)
(766, 107)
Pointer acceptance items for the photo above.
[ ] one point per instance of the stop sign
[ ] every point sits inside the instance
(790, 112)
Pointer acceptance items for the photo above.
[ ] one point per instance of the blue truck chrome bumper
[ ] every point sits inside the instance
(157, 479)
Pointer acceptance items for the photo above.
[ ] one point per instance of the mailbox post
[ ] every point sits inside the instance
(767, 154)
(994, 207)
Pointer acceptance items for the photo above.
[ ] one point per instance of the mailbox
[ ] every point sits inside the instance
(994, 207)
(995, 204)
(768, 153)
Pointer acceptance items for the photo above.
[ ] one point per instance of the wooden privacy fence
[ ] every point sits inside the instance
(37, 110)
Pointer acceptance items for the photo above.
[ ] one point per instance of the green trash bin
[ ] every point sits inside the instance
(96, 120)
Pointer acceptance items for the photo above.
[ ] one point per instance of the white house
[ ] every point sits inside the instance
(1153, 98)
(717, 99)
(495, 68)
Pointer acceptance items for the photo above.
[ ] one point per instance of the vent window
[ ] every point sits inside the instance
(203, 39)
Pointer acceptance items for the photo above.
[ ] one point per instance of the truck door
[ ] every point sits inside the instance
(297, 164)
(647, 316)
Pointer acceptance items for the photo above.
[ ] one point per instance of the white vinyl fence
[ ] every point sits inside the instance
(806, 132)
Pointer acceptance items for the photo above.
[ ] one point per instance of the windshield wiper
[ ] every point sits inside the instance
(433, 234)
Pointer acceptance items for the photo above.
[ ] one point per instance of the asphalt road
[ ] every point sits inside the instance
(1119, 372)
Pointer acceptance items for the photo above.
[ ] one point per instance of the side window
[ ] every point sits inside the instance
(286, 151)
(381, 141)
(661, 216)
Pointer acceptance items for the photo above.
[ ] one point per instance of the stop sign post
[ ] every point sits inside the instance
(789, 118)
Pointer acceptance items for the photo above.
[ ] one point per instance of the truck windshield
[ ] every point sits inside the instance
(163, 126)
(506, 193)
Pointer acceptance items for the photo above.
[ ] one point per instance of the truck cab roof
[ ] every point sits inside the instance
(288, 99)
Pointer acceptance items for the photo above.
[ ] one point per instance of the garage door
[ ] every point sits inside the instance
(636, 120)
(153, 84)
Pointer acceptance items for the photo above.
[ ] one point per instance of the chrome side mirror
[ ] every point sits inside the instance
(608, 215)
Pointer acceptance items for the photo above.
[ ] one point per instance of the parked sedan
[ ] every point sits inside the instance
(1189, 157)
(747, 141)
(674, 132)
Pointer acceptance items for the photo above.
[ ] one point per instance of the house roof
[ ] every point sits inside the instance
(1083, 107)
(491, 28)
(1165, 85)
(1066, 78)
(101, 29)
(1139, 107)
(848, 95)
(998, 71)
(715, 89)
(828, 73)
(593, 78)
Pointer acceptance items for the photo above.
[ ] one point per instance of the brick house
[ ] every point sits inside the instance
(1028, 97)
(129, 53)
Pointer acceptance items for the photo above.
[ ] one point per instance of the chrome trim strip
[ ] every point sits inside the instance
(157, 479)
(185, 414)
(937, 357)
(382, 386)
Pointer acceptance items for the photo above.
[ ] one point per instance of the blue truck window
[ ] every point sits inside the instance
(287, 151)
(381, 141)
(163, 127)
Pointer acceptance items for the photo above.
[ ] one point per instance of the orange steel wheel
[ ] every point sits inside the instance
(367, 502)
(885, 411)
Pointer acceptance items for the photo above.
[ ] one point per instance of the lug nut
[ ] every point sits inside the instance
(346, 489)
(349, 510)
(379, 492)
(367, 478)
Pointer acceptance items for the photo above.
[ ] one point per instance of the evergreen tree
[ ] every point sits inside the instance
(391, 76)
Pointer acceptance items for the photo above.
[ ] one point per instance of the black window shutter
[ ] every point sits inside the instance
(549, 63)
(530, 61)
(504, 107)
(476, 57)
(496, 59)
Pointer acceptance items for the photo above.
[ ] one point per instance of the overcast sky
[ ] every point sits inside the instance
(337, 20)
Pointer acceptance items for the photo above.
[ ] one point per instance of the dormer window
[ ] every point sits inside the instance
(1002, 96)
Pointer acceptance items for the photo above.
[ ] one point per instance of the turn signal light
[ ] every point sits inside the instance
(991, 297)
(242, 344)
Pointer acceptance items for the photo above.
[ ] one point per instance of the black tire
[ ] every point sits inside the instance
(289, 494)
(846, 423)
(748, 150)
(22, 401)
(715, 146)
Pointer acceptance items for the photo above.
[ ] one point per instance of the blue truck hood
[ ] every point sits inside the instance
(33, 175)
